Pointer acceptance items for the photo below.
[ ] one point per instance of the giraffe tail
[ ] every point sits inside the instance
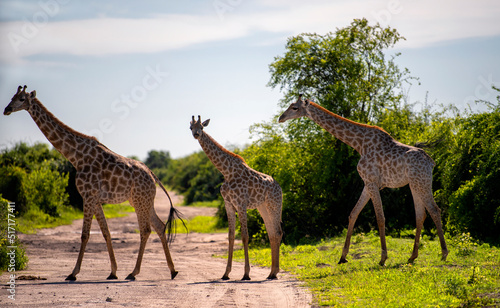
(171, 224)
(173, 216)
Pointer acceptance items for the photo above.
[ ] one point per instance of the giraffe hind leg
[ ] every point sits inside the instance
(435, 214)
(245, 239)
(379, 214)
(420, 218)
(272, 221)
(101, 219)
(159, 227)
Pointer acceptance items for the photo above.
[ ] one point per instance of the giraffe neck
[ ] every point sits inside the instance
(67, 141)
(225, 161)
(347, 131)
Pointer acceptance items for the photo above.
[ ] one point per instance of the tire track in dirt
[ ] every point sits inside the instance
(53, 253)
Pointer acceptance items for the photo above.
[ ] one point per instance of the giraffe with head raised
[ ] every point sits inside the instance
(102, 176)
(244, 188)
(384, 162)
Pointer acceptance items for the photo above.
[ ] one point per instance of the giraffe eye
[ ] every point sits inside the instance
(295, 108)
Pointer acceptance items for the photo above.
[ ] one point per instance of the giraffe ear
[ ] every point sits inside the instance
(306, 102)
(33, 94)
(205, 123)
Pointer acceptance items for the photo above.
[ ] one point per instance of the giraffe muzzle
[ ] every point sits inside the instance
(7, 111)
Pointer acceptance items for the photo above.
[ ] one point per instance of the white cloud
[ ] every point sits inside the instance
(108, 36)
(422, 22)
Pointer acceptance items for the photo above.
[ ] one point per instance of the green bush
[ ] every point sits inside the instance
(36, 178)
(45, 188)
(11, 180)
(8, 239)
(194, 176)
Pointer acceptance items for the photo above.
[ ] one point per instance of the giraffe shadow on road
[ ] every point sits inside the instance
(236, 281)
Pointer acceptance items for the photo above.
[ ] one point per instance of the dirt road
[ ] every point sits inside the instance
(53, 253)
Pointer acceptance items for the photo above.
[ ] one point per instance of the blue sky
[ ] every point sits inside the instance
(133, 73)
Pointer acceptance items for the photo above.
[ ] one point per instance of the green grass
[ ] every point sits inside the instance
(36, 219)
(200, 224)
(117, 210)
(213, 203)
(470, 277)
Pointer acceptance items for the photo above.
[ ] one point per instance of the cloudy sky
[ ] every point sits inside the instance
(133, 73)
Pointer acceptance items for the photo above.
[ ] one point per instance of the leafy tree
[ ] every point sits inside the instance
(470, 176)
(347, 72)
(158, 159)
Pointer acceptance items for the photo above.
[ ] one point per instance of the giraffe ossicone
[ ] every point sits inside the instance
(102, 176)
(244, 188)
(384, 162)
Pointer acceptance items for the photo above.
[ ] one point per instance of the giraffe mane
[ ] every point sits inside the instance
(60, 123)
(346, 120)
(224, 149)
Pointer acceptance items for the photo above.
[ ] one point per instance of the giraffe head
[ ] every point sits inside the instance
(295, 110)
(197, 127)
(20, 101)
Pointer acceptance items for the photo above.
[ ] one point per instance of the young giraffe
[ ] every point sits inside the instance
(384, 162)
(244, 188)
(102, 177)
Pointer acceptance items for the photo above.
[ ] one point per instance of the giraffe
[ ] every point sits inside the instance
(102, 177)
(384, 162)
(244, 188)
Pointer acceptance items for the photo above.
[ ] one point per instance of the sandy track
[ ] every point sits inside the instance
(53, 252)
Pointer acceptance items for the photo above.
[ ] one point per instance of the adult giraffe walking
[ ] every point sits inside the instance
(384, 162)
(244, 188)
(102, 177)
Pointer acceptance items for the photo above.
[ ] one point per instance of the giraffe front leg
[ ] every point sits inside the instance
(363, 199)
(87, 223)
(231, 217)
(101, 219)
(144, 220)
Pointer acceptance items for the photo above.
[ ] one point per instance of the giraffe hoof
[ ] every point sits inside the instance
(130, 277)
(225, 277)
(444, 255)
(71, 277)
(342, 261)
(272, 276)
(112, 276)
(381, 263)
(173, 274)
(246, 277)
